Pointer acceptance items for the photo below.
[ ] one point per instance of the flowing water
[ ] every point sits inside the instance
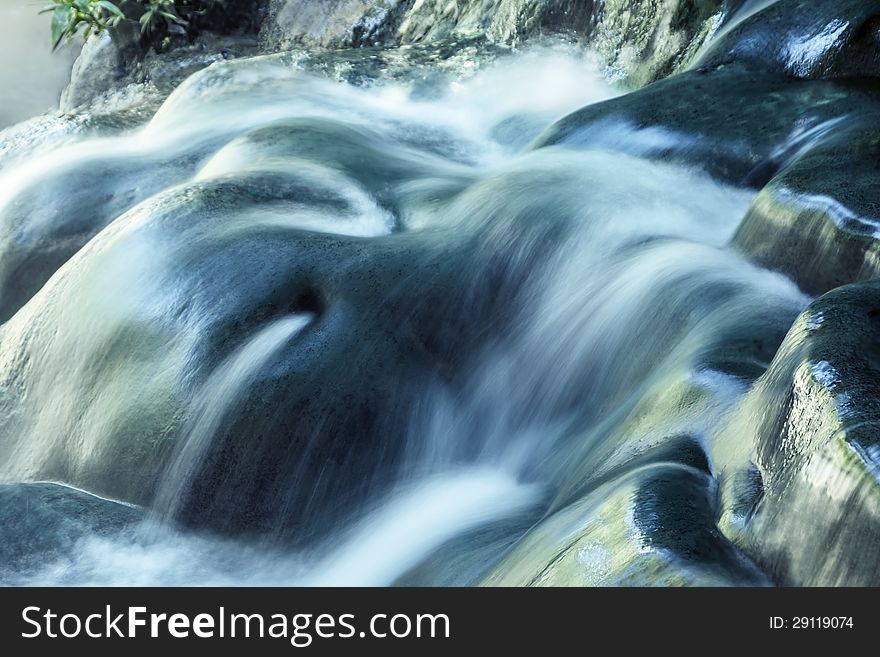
(741, 12)
(222, 390)
(336, 335)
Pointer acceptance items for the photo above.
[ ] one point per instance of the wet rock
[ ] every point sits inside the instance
(471, 557)
(651, 525)
(332, 24)
(37, 135)
(331, 406)
(40, 523)
(425, 66)
(704, 118)
(642, 42)
(166, 70)
(282, 221)
(816, 39)
(75, 198)
(818, 220)
(510, 21)
(800, 455)
(809, 141)
(102, 65)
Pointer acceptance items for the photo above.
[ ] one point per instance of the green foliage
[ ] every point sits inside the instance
(68, 16)
(158, 11)
(95, 16)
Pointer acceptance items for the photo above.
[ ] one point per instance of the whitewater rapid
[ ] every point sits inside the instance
(605, 315)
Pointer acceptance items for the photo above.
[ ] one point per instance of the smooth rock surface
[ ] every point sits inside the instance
(818, 220)
(653, 526)
(816, 39)
(800, 455)
(41, 523)
(703, 118)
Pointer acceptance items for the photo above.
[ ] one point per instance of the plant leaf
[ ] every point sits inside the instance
(61, 21)
(172, 18)
(145, 21)
(113, 9)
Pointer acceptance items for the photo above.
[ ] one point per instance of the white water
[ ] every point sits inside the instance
(220, 392)
(630, 307)
(382, 547)
(417, 520)
(632, 303)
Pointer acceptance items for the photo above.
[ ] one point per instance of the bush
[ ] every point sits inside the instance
(156, 17)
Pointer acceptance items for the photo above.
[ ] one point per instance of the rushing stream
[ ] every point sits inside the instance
(294, 331)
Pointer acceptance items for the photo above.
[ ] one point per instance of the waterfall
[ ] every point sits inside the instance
(222, 390)
(616, 271)
(417, 521)
(479, 321)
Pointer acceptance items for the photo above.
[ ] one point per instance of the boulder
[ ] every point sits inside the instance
(704, 118)
(290, 217)
(42, 523)
(815, 39)
(103, 65)
(651, 525)
(799, 456)
(642, 42)
(329, 24)
(818, 220)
